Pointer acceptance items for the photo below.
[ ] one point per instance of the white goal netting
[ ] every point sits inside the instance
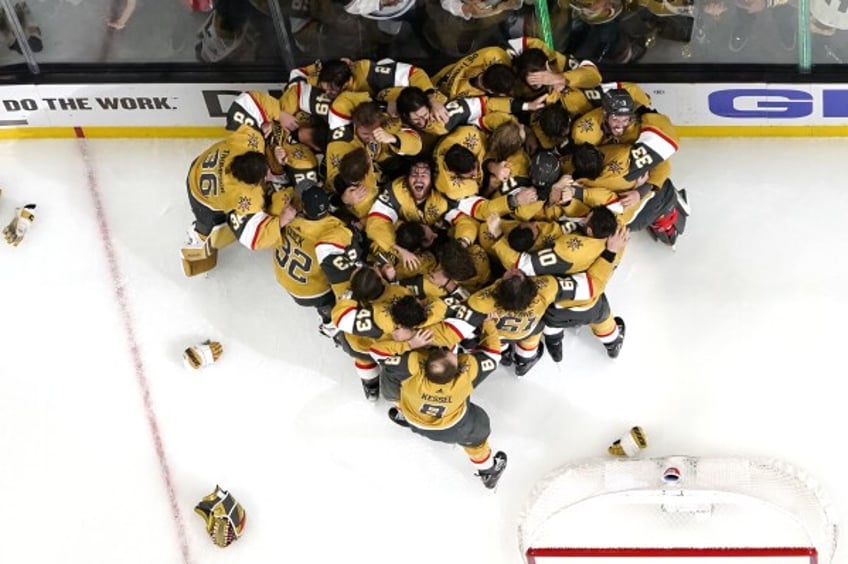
(715, 503)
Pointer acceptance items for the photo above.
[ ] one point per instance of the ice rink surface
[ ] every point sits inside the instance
(734, 346)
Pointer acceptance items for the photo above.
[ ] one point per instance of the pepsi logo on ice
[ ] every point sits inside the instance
(778, 103)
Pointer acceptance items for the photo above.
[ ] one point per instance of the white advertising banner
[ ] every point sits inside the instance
(751, 104)
(119, 105)
(128, 106)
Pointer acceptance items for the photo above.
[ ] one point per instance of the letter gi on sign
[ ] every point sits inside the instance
(778, 103)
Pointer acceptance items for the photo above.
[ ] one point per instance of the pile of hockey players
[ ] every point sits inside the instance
(442, 226)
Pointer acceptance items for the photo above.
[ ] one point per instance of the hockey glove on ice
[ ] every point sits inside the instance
(17, 228)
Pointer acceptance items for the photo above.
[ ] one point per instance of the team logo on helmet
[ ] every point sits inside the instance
(618, 102)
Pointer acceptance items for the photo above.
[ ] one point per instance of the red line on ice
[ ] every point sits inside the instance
(138, 362)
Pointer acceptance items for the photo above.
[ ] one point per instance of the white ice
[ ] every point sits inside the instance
(734, 347)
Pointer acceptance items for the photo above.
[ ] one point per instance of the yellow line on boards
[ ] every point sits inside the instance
(762, 130)
(37, 133)
(179, 132)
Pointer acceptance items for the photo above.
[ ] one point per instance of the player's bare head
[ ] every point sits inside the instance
(408, 312)
(367, 114)
(420, 179)
(522, 238)
(601, 222)
(250, 167)
(414, 106)
(315, 135)
(498, 79)
(588, 161)
(366, 284)
(334, 76)
(515, 291)
(531, 60)
(414, 236)
(354, 166)
(366, 118)
(456, 261)
(555, 122)
(505, 140)
(460, 160)
(441, 366)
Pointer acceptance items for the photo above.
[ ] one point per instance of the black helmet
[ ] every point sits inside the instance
(544, 169)
(618, 102)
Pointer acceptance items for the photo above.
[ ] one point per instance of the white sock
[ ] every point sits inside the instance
(524, 353)
(486, 464)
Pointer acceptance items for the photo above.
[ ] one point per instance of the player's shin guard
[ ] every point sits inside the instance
(527, 354)
(489, 467)
(611, 333)
(507, 354)
(553, 342)
(369, 375)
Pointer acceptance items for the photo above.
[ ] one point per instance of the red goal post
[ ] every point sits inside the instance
(675, 509)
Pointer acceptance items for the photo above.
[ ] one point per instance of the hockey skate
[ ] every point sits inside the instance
(614, 347)
(554, 345)
(397, 417)
(523, 365)
(491, 476)
(371, 388)
(329, 330)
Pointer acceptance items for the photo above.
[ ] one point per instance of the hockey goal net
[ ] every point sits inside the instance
(676, 509)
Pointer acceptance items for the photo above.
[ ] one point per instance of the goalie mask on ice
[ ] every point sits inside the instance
(224, 516)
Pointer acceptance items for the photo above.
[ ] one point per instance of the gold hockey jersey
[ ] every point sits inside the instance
(428, 405)
(397, 203)
(455, 80)
(422, 284)
(370, 76)
(548, 233)
(344, 139)
(315, 257)
(369, 325)
(211, 185)
(591, 128)
(449, 183)
(582, 289)
(518, 325)
(578, 74)
(570, 253)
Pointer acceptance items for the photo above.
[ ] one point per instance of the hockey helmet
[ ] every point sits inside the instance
(618, 102)
(544, 169)
(315, 202)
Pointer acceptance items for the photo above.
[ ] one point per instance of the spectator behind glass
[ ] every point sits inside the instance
(237, 30)
(597, 33)
(458, 27)
(31, 30)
